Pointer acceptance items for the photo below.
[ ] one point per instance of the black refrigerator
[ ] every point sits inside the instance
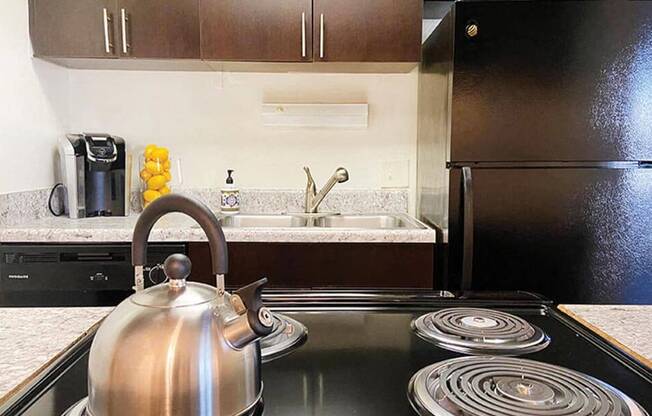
(543, 112)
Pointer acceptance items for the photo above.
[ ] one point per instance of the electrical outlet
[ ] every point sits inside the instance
(395, 173)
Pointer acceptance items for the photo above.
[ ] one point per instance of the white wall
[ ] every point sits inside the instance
(32, 105)
(212, 121)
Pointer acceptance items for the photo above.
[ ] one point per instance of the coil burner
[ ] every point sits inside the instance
(502, 386)
(287, 335)
(480, 331)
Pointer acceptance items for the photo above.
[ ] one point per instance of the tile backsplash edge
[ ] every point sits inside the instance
(17, 207)
(23, 206)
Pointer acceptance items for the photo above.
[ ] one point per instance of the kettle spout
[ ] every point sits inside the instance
(254, 320)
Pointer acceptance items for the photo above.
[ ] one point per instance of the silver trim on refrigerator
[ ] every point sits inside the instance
(124, 19)
(303, 35)
(321, 36)
(106, 18)
(467, 231)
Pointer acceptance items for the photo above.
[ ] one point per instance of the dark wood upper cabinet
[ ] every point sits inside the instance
(165, 29)
(290, 31)
(367, 30)
(73, 28)
(115, 28)
(256, 30)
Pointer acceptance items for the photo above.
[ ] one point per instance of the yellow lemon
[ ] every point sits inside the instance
(167, 175)
(145, 175)
(160, 154)
(156, 182)
(149, 150)
(164, 190)
(153, 167)
(150, 195)
(166, 165)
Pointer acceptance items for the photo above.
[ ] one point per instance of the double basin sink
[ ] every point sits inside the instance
(362, 221)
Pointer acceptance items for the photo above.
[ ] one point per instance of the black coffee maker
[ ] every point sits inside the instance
(93, 175)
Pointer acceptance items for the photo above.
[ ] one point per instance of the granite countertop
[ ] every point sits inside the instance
(33, 338)
(179, 228)
(625, 326)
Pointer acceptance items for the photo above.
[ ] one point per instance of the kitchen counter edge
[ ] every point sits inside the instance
(624, 326)
(114, 230)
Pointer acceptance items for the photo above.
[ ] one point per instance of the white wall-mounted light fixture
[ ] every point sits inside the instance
(348, 116)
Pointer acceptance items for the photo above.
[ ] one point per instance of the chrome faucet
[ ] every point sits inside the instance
(313, 199)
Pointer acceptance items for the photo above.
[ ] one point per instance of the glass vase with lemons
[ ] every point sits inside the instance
(155, 173)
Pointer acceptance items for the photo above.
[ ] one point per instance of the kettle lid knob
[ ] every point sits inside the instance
(177, 268)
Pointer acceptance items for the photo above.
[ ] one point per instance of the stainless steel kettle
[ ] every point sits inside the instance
(179, 348)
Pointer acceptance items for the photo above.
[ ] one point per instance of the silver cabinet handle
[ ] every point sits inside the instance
(303, 35)
(321, 36)
(106, 18)
(125, 19)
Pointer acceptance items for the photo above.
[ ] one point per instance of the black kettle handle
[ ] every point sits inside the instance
(194, 209)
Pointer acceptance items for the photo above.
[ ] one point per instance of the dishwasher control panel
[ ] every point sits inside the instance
(74, 275)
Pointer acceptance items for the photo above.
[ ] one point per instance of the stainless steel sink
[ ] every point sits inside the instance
(366, 222)
(369, 222)
(272, 221)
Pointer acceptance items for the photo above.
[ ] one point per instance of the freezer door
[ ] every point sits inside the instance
(552, 81)
(573, 235)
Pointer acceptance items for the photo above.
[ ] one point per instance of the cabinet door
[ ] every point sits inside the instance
(73, 28)
(367, 30)
(314, 265)
(256, 30)
(158, 29)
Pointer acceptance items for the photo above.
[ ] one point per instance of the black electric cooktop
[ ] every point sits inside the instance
(361, 353)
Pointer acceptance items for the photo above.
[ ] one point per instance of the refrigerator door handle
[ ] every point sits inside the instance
(467, 230)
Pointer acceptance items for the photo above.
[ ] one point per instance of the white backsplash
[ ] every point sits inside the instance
(212, 122)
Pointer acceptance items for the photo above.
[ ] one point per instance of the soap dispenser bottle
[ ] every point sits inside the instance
(230, 201)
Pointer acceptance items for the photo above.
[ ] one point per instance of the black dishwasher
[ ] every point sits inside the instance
(73, 274)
